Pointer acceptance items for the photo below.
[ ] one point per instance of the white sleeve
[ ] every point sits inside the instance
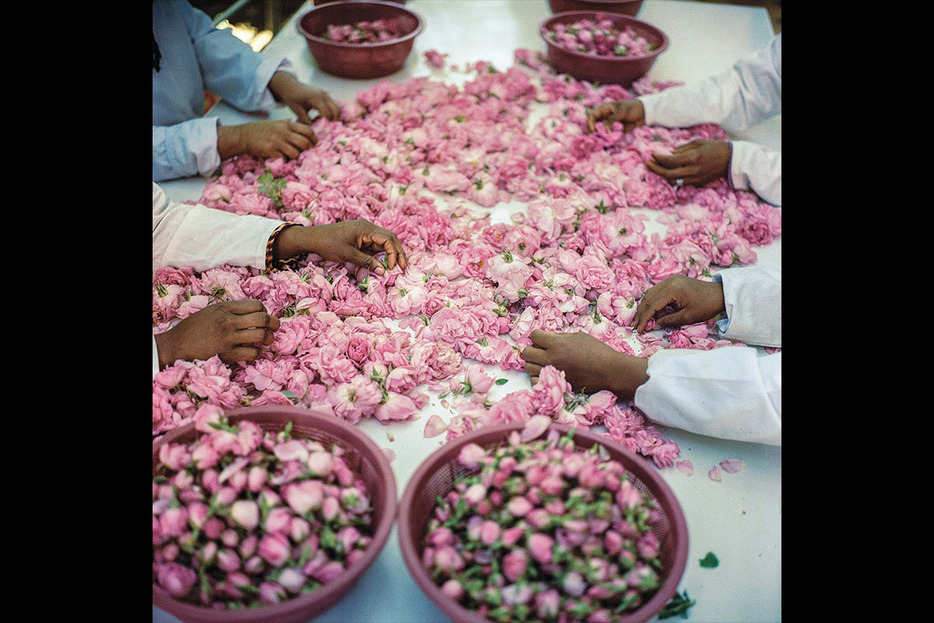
(201, 237)
(749, 92)
(753, 298)
(730, 392)
(757, 168)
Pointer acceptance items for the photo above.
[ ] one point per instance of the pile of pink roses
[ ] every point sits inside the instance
(374, 31)
(422, 159)
(541, 530)
(601, 37)
(243, 517)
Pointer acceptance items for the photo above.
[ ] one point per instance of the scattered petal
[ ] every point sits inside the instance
(714, 473)
(535, 427)
(685, 467)
(434, 426)
(733, 466)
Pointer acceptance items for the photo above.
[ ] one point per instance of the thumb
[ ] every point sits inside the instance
(302, 113)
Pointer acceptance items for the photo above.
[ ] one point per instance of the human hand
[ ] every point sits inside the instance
(233, 330)
(630, 113)
(695, 163)
(588, 364)
(302, 97)
(691, 300)
(349, 241)
(275, 138)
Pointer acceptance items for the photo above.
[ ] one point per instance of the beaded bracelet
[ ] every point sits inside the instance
(272, 262)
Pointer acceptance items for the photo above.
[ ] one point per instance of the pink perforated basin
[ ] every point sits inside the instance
(363, 457)
(624, 7)
(437, 474)
(359, 61)
(621, 70)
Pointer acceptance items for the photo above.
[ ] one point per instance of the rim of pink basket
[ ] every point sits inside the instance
(641, 467)
(560, 18)
(328, 594)
(420, 24)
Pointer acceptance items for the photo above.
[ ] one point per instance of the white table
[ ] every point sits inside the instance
(738, 518)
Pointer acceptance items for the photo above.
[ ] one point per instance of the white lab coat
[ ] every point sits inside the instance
(197, 57)
(750, 92)
(729, 392)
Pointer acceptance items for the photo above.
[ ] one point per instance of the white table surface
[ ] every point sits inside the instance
(737, 518)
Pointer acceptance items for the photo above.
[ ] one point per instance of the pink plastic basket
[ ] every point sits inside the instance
(363, 457)
(359, 61)
(619, 70)
(624, 7)
(437, 474)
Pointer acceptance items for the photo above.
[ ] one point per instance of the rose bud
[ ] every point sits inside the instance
(453, 589)
(208, 552)
(320, 463)
(299, 529)
(354, 501)
(540, 547)
(176, 579)
(245, 513)
(490, 532)
(292, 579)
(253, 564)
(519, 506)
(512, 535)
(274, 548)
(213, 527)
(547, 604)
(475, 493)
(230, 537)
(256, 478)
(471, 455)
(227, 560)
(516, 594)
(278, 520)
(514, 564)
(174, 521)
(303, 496)
(573, 584)
(249, 545)
(272, 592)
(447, 559)
(647, 545)
(328, 572)
(330, 508)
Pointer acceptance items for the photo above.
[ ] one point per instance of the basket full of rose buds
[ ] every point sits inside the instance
(513, 523)
(265, 514)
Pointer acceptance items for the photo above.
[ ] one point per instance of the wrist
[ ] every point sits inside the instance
(629, 374)
(229, 141)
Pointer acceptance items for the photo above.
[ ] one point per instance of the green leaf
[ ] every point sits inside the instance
(501, 381)
(679, 604)
(709, 561)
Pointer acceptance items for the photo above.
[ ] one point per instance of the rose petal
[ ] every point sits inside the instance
(535, 427)
(733, 466)
(434, 426)
(714, 473)
(685, 467)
